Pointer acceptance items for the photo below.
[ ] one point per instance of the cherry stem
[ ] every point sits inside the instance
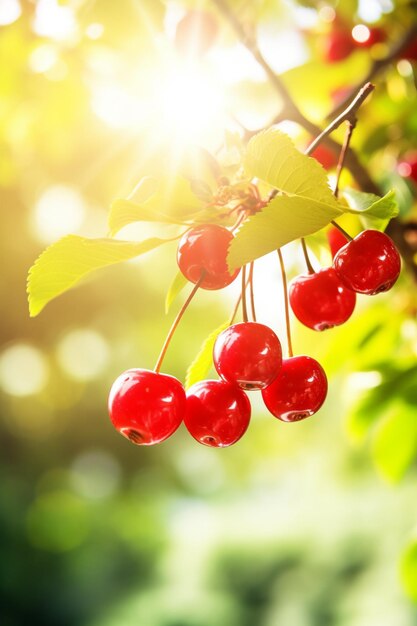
(342, 230)
(235, 310)
(251, 291)
(342, 156)
(176, 322)
(310, 268)
(286, 304)
(244, 307)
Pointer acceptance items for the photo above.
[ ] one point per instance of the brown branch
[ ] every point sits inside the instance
(377, 66)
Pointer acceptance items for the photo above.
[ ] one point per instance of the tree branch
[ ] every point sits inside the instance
(291, 112)
(377, 66)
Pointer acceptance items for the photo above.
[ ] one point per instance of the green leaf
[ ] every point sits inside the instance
(307, 206)
(172, 202)
(272, 157)
(408, 570)
(374, 212)
(395, 442)
(61, 266)
(177, 285)
(202, 363)
(283, 220)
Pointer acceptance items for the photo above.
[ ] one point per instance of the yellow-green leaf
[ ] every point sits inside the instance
(408, 570)
(283, 220)
(61, 266)
(202, 363)
(395, 442)
(173, 202)
(373, 211)
(177, 285)
(272, 157)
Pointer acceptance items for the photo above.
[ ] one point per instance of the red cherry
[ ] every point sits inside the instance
(196, 32)
(204, 248)
(299, 390)
(336, 240)
(338, 45)
(146, 406)
(410, 52)
(325, 156)
(217, 413)
(408, 167)
(248, 354)
(321, 300)
(368, 264)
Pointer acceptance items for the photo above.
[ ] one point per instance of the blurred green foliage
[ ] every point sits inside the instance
(291, 526)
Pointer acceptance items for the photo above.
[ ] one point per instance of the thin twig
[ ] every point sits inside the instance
(286, 304)
(349, 114)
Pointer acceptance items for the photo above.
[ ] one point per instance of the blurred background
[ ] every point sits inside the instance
(310, 524)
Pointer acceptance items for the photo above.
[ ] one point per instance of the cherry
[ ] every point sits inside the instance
(217, 413)
(410, 52)
(325, 156)
(408, 167)
(248, 354)
(338, 45)
(299, 390)
(336, 240)
(368, 264)
(146, 406)
(204, 249)
(196, 32)
(321, 300)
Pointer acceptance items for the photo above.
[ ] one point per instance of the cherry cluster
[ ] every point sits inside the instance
(147, 406)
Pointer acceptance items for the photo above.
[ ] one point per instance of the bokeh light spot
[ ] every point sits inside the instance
(59, 211)
(83, 354)
(95, 474)
(23, 370)
(10, 11)
(361, 33)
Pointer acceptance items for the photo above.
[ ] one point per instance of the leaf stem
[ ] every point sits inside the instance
(244, 285)
(286, 303)
(251, 291)
(310, 268)
(175, 323)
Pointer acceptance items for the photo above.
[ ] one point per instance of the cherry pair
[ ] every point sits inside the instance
(368, 264)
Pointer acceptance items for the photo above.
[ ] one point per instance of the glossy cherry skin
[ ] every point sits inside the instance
(145, 406)
(204, 248)
(321, 300)
(336, 240)
(299, 390)
(368, 264)
(217, 413)
(248, 354)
